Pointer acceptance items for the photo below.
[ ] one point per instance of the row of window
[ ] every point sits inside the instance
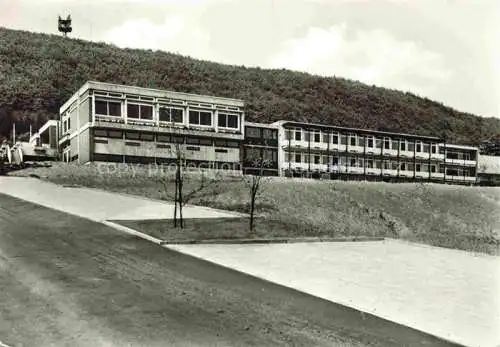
(255, 154)
(361, 141)
(361, 162)
(380, 164)
(166, 114)
(267, 134)
(142, 136)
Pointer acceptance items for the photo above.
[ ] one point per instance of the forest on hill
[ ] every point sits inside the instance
(39, 72)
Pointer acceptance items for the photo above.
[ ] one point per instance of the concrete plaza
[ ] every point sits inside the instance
(448, 293)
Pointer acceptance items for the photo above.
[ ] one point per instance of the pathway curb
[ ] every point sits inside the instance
(237, 241)
(273, 240)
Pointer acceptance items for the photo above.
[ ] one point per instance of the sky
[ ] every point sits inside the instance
(446, 50)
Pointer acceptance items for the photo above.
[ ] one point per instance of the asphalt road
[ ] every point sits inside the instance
(65, 280)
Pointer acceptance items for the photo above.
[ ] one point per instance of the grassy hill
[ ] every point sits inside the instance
(459, 217)
(39, 72)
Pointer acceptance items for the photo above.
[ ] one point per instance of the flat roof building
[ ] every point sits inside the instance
(126, 124)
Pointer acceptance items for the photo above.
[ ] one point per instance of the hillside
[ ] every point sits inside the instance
(459, 217)
(38, 72)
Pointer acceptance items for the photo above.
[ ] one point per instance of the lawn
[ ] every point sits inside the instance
(460, 217)
(225, 229)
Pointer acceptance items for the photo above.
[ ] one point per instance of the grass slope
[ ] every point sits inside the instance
(459, 217)
(40, 72)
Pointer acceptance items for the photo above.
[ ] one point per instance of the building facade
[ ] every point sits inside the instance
(125, 124)
(260, 149)
(317, 150)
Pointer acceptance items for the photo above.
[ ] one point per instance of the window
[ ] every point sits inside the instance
(69, 124)
(410, 167)
(206, 142)
(395, 144)
(353, 140)
(298, 135)
(403, 166)
(433, 168)
(178, 139)
(325, 159)
(133, 144)
(270, 155)
(317, 137)
(361, 141)
(403, 145)
(172, 115)
(137, 111)
(343, 139)
(370, 142)
(192, 148)
(163, 138)
(417, 167)
(317, 159)
(411, 146)
(233, 144)
(108, 108)
(226, 120)
(361, 162)
(147, 137)
(115, 134)
(307, 136)
(132, 135)
(252, 132)
(426, 148)
(433, 149)
(326, 138)
(200, 118)
(100, 133)
(335, 160)
(378, 164)
(387, 143)
(192, 141)
(425, 168)
(369, 163)
(378, 143)
(269, 134)
(298, 158)
(419, 147)
(335, 139)
(352, 162)
(288, 134)
(394, 165)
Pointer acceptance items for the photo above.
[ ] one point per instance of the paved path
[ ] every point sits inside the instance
(451, 294)
(95, 204)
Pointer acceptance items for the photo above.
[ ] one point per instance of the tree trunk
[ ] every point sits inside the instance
(175, 202)
(252, 208)
(181, 202)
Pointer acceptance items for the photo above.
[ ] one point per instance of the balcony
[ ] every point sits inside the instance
(461, 178)
(391, 173)
(437, 175)
(461, 162)
(355, 170)
(390, 152)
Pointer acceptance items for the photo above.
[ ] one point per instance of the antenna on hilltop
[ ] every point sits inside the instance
(65, 25)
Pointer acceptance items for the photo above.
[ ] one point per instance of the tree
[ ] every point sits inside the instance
(253, 183)
(181, 197)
